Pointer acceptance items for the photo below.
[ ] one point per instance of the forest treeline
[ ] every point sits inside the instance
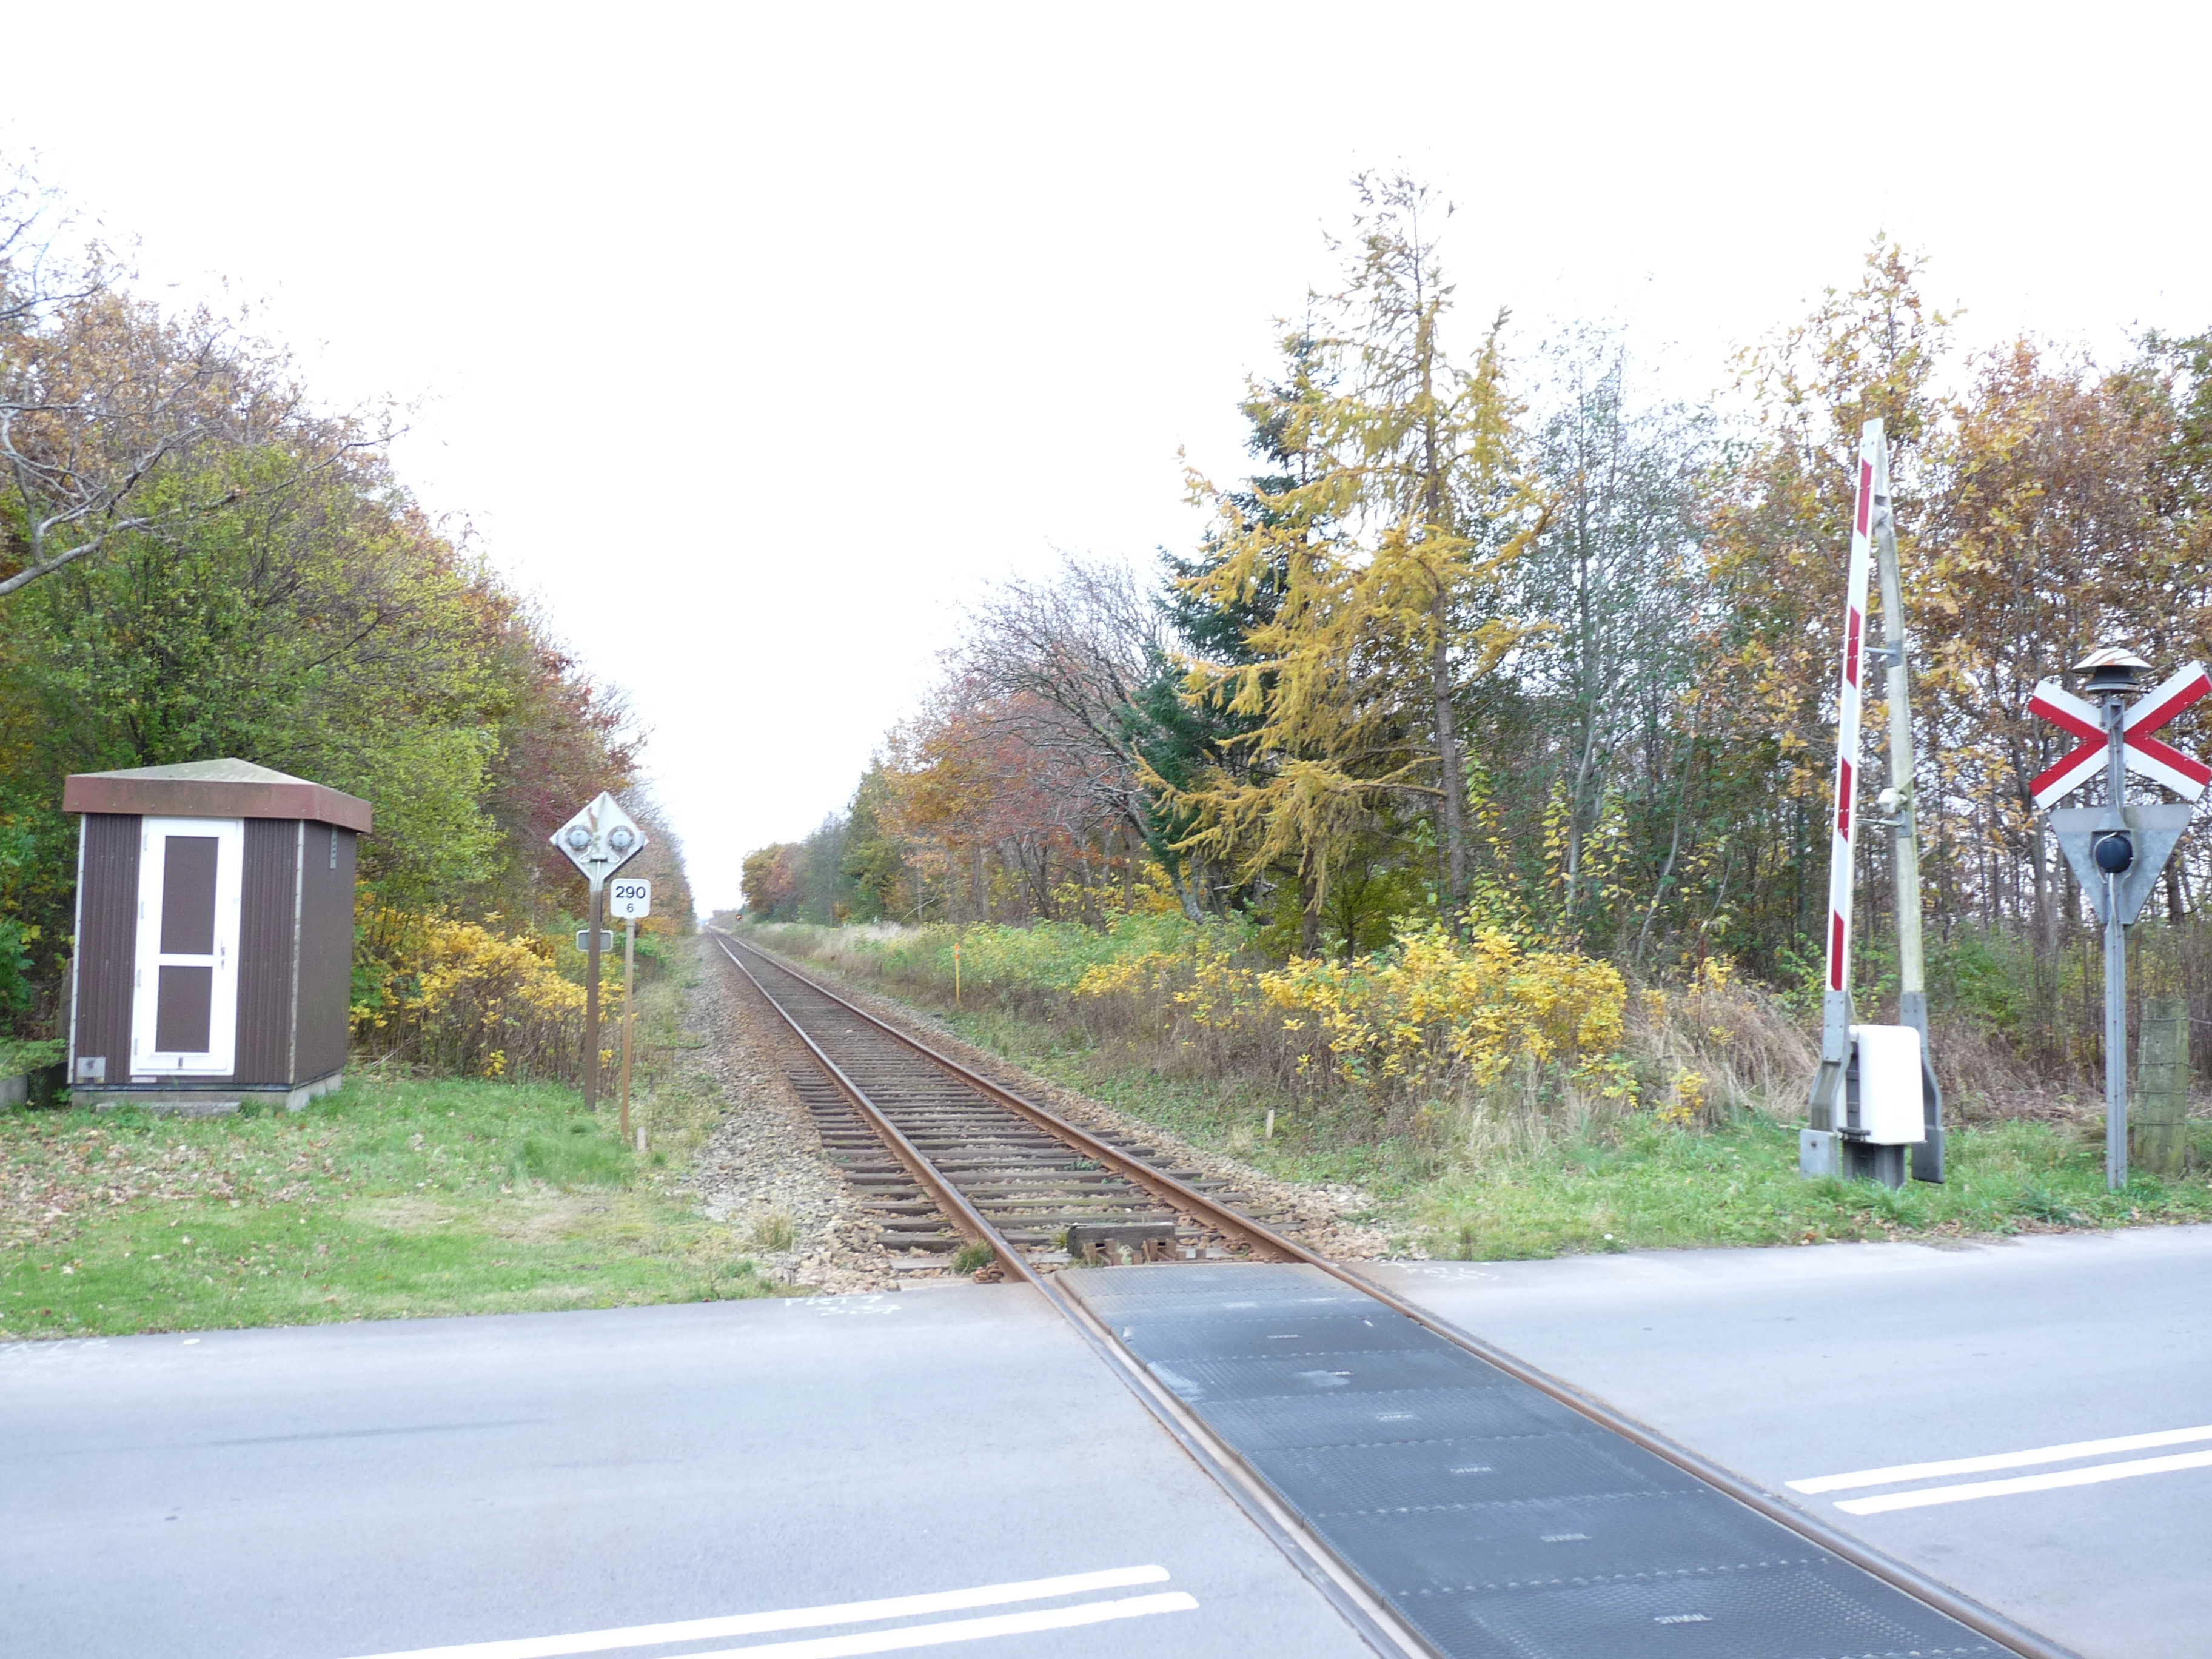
(195, 561)
(1491, 636)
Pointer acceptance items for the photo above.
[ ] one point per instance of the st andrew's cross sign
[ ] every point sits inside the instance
(2184, 775)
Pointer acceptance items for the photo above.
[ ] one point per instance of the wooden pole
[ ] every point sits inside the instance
(592, 1001)
(630, 1012)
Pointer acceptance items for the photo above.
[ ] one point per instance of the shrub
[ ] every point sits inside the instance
(458, 997)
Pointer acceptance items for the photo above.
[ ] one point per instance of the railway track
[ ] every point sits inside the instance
(1350, 1446)
(952, 1162)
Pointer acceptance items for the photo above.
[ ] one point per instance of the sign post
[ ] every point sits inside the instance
(2118, 851)
(632, 897)
(598, 841)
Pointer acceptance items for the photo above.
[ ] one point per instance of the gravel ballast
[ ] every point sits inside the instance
(763, 1162)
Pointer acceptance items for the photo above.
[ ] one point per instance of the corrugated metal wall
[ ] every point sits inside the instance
(265, 932)
(270, 1053)
(325, 952)
(107, 940)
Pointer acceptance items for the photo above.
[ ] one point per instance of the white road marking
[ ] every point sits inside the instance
(2089, 1477)
(761, 1624)
(2018, 1460)
(964, 1630)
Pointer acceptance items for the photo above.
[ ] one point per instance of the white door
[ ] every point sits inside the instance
(184, 1006)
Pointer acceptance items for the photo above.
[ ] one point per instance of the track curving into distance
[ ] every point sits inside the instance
(935, 1148)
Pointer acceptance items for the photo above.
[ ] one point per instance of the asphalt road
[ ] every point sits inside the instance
(395, 1487)
(383, 1488)
(2069, 1369)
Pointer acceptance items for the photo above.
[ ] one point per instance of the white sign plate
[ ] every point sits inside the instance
(600, 839)
(629, 898)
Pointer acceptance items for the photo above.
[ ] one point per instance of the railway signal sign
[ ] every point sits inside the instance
(2184, 775)
(598, 841)
(629, 898)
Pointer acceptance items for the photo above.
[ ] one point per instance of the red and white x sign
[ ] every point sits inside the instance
(2182, 773)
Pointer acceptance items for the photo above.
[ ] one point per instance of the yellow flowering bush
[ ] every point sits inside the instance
(1435, 1011)
(1423, 1019)
(1202, 980)
(460, 997)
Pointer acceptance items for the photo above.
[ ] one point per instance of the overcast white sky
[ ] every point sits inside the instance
(754, 339)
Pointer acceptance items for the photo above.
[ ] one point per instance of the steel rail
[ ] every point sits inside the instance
(947, 1197)
(1983, 1621)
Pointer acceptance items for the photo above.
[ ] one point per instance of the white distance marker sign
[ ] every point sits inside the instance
(629, 898)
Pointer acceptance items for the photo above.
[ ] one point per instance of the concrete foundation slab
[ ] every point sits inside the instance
(189, 1102)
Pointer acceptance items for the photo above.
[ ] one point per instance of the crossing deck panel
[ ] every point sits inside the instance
(1498, 1522)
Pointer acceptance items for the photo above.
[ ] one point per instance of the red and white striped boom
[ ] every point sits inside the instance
(1848, 683)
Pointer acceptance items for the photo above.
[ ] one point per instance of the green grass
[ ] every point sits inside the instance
(1659, 1188)
(410, 1198)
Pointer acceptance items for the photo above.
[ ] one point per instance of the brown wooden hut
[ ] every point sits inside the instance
(213, 936)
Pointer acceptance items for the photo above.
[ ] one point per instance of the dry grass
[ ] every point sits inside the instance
(1714, 1045)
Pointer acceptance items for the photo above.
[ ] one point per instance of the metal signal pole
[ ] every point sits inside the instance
(1898, 799)
(2117, 851)
(2116, 940)
(598, 841)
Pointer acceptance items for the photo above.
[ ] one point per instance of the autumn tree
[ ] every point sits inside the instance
(119, 419)
(1615, 581)
(1776, 521)
(1391, 551)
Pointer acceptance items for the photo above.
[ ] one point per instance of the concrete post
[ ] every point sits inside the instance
(2158, 1128)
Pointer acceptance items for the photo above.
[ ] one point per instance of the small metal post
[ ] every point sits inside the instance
(630, 1012)
(592, 1000)
(956, 973)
